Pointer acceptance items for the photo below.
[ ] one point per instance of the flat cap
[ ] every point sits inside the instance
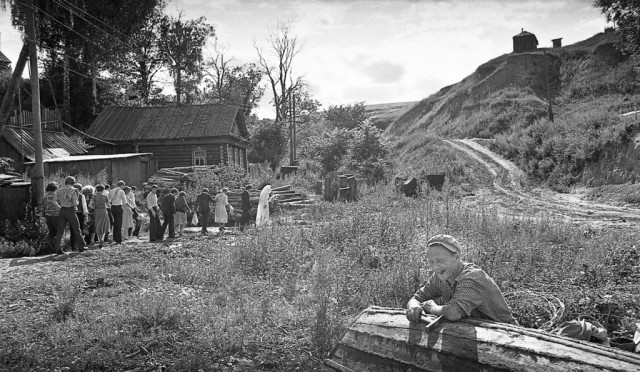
(446, 241)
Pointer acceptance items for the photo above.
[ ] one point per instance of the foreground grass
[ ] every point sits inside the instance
(278, 298)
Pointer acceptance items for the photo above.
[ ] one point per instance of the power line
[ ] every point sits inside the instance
(87, 13)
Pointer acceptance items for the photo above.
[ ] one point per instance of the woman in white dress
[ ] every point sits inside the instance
(262, 216)
(221, 208)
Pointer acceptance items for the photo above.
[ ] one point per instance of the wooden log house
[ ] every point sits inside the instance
(177, 136)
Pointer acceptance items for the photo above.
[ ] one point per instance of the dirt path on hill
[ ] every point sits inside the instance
(512, 194)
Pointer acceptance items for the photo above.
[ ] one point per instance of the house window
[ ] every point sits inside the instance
(199, 157)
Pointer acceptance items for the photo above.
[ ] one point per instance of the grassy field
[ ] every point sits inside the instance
(277, 298)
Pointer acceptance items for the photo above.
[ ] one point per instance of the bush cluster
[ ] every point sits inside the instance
(557, 152)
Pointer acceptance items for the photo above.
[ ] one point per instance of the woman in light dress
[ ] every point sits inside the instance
(127, 215)
(221, 208)
(262, 216)
(99, 204)
(182, 208)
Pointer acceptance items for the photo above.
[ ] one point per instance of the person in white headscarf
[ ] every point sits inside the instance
(262, 216)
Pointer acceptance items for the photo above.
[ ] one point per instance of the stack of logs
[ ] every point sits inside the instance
(182, 177)
(167, 178)
(284, 197)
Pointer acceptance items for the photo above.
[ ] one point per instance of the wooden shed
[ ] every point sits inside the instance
(134, 169)
(17, 143)
(525, 42)
(15, 194)
(177, 136)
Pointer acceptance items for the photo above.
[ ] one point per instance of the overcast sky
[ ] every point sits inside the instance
(380, 51)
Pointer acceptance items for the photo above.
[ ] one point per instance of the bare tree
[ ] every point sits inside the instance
(234, 84)
(285, 48)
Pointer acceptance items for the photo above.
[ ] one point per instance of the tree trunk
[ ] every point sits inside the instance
(66, 88)
(178, 84)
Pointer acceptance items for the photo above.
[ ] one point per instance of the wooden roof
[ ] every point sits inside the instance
(22, 140)
(127, 124)
(4, 59)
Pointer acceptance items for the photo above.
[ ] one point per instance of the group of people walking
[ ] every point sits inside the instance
(175, 209)
(92, 213)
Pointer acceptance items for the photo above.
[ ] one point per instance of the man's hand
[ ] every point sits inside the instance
(414, 313)
(430, 307)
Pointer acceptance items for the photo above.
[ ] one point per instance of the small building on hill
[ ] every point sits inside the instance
(557, 43)
(525, 42)
(177, 136)
(17, 143)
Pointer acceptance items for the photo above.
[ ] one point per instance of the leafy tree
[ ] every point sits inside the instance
(362, 150)
(328, 148)
(181, 44)
(368, 153)
(347, 116)
(626, 15)
(233, 84)
(79, 39)
(305, 102)
(285, 48)
(140, 59)
(268, 142)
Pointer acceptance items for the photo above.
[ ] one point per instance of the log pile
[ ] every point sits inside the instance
(168, 178)
(285, 198)
(182, 177)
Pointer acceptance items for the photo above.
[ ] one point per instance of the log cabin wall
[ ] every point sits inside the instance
(172, 154)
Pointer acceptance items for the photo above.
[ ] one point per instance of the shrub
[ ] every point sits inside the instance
(23, 238)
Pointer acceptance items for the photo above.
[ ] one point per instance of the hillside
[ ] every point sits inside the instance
(383, 114)
(505, 101)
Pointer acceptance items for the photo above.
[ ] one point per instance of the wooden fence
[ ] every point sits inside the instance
(50, 119)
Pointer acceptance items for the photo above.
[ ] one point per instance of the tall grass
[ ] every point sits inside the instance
(279, 297)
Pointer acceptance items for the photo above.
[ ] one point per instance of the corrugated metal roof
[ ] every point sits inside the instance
(93, 157)
(121, 123)
(4, 58)
(21, 139)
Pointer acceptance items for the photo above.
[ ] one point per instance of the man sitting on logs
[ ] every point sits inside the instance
(457, 289)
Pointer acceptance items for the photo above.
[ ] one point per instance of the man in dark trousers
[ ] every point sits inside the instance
(246, 208)
(168, 211)
(118, 199)
(203, 209)
(154, 215)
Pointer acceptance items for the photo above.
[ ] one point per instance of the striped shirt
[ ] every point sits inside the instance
(51, 207)
(472, 292)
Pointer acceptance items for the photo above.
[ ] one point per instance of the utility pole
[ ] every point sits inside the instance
(37, 178)
(292, 131)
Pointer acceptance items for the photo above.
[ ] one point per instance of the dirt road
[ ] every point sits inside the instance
(512, 193)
